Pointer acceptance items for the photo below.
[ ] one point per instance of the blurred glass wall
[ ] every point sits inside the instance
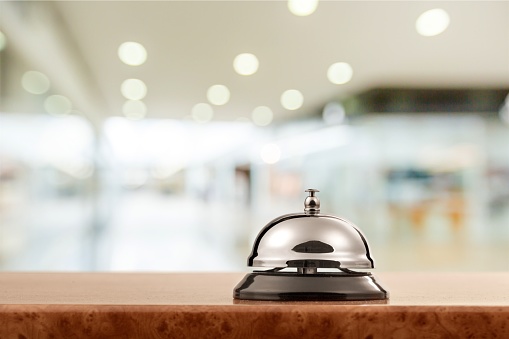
(432, 198)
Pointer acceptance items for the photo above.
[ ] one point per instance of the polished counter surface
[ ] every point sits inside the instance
(200, 305)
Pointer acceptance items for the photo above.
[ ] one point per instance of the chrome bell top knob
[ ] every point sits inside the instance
(312, 203)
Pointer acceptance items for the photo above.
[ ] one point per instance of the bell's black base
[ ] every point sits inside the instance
(286, 286)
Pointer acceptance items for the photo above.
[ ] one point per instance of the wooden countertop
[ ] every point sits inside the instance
(200, 305)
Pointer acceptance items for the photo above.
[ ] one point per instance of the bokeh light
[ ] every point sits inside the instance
(432, 22)
(262, 116)
(245, 64)
(340, 73)
(218, 94)
(134, 109)
(302, 7)
(333, 113)
(133, 89)
(3, 41)
(292, 99)
(202, 113)
(57, 105)
(132, 53)
(35, 82)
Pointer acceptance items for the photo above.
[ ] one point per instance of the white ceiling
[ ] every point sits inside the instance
(191, 46)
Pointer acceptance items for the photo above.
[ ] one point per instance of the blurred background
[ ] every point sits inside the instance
(164, 135)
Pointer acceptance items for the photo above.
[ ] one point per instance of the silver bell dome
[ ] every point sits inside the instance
(310, 240)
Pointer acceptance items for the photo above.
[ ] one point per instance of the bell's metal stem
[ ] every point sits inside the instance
(307, 270)
(312, 203)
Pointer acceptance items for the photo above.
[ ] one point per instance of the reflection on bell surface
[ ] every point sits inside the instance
(309, 256)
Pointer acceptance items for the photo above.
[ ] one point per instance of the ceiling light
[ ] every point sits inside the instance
(202, 113)
(35, 82)
(133, 89)
(302, 7)
(134, 109)
(262, 116)
(292, 99)
(3, 41)
(270, 153)
(218, 94)
(57, 105)
(432, 22)
(340, 73)
(245, 64)
(132, 53)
